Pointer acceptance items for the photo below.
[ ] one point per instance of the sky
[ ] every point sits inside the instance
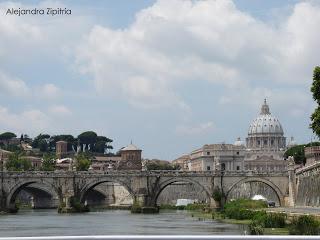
(168, 75)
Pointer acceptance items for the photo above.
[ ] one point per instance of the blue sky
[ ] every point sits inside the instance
(168, 75)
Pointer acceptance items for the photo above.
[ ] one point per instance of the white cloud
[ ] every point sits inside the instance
(33, 37)
(199, 129)
(211, 41)
(49, 91)
(12, 86)
(295, 102)
(60, 110)
(32, 120)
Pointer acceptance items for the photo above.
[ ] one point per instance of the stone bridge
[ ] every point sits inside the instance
(143, 186)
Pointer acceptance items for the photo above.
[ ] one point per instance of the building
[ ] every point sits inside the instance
(130, 158)
(4, 156)
(65, 164)
(12, 141)
(263, 151)
(312, 154)
(182, 162)
(36, 162)
(105, 163)
(61, 149)
(217, 156)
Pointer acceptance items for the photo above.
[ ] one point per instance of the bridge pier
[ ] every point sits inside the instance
(292, 182)
(143, 204)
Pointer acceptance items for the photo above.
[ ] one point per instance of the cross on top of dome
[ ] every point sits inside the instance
(265, 108)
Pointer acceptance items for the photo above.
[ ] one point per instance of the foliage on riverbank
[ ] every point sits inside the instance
(190, 207)
(261, 222)
(304, 225)
(243, 208)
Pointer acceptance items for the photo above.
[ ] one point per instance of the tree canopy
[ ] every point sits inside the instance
(42, 142)
(298, 152)
(83, 162)
(7, 136)
(16, 162)
(315, 89)
(49, 162)
(151, 165)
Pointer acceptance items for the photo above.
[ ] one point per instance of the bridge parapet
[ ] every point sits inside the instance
(168, 173)
(310, 170)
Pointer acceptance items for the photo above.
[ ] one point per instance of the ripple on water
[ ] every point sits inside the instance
(110, 222)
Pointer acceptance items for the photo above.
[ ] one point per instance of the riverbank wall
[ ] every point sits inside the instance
(308, 190)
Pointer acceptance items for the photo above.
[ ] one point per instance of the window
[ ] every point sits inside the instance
(238, 167)
(223, 166)
(208, 168)
(272, 142)
(258, 142)
(265, 142)
(208, 153)
(237, 153)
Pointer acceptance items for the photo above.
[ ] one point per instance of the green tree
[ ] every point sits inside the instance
(42, 142)
(49, 162)
(102, 143)
(315, 89)
(27, 139)
(88, 138)
(72, 142)
(16, 162)
(298, 152)
(7, 136)
(152, 165)
(83, 162)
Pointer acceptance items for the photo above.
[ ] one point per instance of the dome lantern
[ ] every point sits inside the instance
(265, 108)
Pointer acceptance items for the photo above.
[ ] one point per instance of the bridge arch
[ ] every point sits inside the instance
(170, 181)
(43, 186)
(92, 184)
(274, 187)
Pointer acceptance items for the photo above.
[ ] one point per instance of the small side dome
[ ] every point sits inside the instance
(292, 142)
(239, 142)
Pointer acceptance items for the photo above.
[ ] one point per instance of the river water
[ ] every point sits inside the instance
(110, 222)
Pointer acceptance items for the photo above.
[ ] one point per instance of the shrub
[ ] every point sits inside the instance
(217, 194)
(255, 228)
(242, 209)
(241, 213)
(275, 220)
(304, 225)
(246, 203)
(195, 206)
(78, 206)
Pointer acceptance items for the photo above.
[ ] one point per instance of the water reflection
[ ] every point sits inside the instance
(110, 222)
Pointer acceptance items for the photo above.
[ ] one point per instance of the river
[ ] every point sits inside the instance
(110, 222)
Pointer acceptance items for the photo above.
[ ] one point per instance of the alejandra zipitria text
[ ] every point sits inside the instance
(38, 11)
